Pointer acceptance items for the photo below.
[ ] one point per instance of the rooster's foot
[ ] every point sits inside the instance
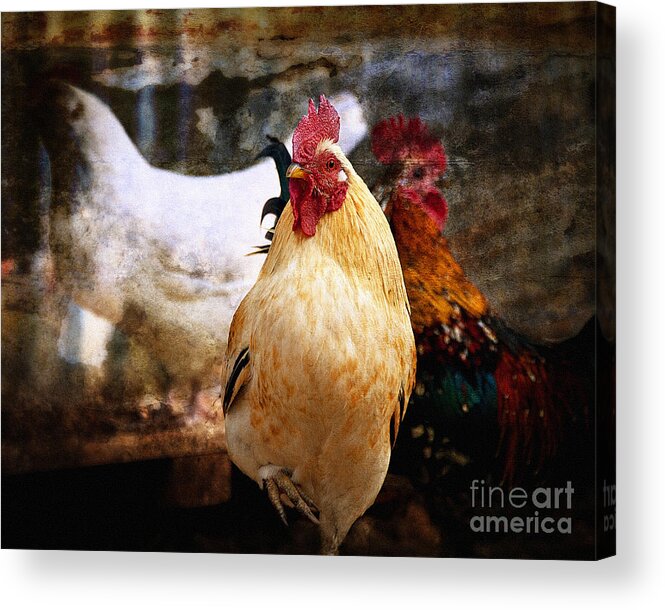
(276, 481)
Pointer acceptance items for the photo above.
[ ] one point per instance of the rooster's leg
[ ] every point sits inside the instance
(276, 481)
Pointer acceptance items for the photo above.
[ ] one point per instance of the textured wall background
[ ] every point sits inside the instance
(509, 89)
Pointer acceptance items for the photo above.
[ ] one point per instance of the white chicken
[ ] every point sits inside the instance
(159, 254)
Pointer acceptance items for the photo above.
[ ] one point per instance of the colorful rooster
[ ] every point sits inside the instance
(479, 383)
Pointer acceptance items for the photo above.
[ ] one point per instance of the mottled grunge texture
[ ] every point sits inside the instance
(112, 119)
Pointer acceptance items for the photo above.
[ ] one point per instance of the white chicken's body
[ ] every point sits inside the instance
(160, 254)
(332, 359)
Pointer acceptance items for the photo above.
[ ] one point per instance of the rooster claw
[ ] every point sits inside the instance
(280, 482)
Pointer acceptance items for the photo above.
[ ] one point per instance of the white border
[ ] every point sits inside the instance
(634, 579)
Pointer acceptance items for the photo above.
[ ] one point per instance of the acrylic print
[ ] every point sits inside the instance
(331, 280)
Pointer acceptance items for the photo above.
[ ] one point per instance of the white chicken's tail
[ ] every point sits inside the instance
(82, 135)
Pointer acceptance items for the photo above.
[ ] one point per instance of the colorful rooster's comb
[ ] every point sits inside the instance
(398, 138)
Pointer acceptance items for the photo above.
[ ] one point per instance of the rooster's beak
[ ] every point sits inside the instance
(295, 171)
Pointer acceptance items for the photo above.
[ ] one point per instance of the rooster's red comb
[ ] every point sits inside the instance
(398, 138)
(314, 127)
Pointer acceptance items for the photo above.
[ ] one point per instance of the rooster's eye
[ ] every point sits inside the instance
(331, 164)
(418, 172)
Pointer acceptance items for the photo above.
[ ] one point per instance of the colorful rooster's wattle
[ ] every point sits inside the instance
(481, 388)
